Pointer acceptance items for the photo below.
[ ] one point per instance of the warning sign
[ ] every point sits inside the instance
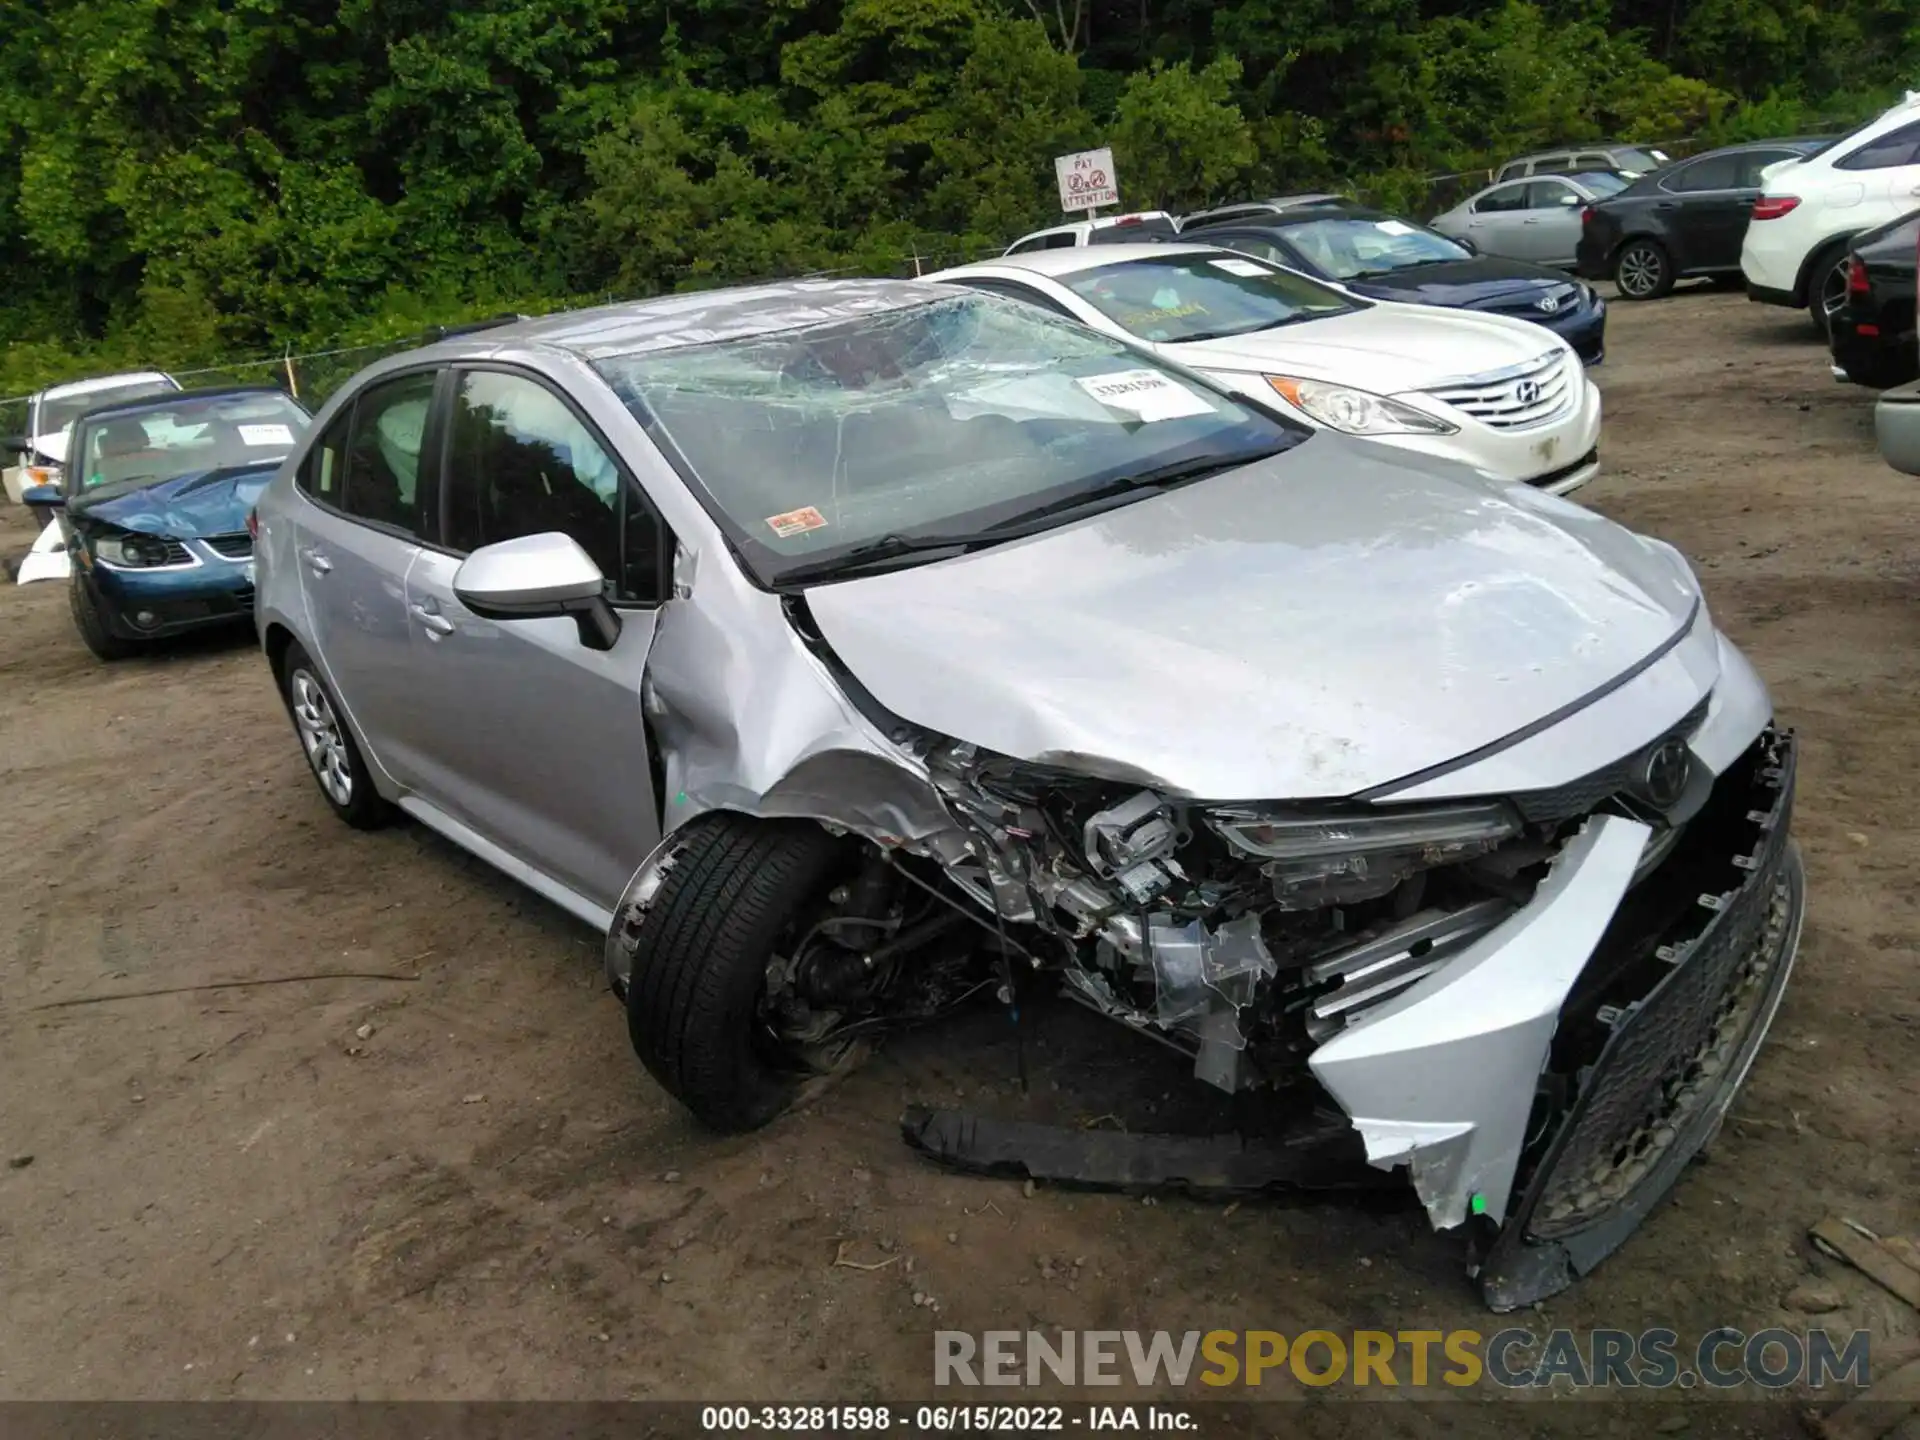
(1087, 181)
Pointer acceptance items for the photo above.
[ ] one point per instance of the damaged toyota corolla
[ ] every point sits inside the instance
(846, 649)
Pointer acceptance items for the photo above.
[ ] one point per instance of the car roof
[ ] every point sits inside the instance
(1287, 219)
(122, 408)
(1080, 258)
(103, 382)
(698, 317)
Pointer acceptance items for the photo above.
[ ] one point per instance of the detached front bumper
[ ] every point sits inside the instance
(1550, 1083)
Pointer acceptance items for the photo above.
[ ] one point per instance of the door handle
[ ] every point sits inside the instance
(432, 621)
(1529, 221)
(317, 562)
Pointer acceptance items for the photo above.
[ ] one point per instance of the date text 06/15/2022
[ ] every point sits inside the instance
(945, 1419)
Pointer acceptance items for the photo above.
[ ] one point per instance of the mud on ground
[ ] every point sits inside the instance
(245, 1192)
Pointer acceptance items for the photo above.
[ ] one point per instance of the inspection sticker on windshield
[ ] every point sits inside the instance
(265, 435)
(1239, 267)
(1146, 393)
(797, 522)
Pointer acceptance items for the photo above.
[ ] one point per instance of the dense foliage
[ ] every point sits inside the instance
(189, 178)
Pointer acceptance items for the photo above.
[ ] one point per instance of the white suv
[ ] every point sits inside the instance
(1795, 251)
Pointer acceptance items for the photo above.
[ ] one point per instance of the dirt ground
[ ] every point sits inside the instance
(448, 1178)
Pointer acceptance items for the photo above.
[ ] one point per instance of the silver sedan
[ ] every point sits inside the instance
(843, 650)
(1537, 219)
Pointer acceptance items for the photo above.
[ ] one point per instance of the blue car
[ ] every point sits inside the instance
(1386, 258)
(155, 500)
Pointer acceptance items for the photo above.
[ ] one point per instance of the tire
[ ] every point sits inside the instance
(1827, 270)
(1643, 270)
(92, 624)
(700, 964)
(328, 744)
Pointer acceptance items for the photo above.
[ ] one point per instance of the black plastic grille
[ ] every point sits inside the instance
(1578, 797)
(1672, 1054)
(237, 546)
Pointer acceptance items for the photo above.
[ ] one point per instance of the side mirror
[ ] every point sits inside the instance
(15, 444)
(47, 497)
(539, 575)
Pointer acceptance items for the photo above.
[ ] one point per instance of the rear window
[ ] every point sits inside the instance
(1133, 232)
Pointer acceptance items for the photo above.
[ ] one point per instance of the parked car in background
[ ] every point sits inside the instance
(1387, 258)
(154, 501)
(1873, 332)
(1247, 210)
(1537, 220)
(1896, 424)
(952, 647)
(1104, 230)
(1631, 161)
(1810, 210)
(1688, 218)
(1499, 394)
(42, 447)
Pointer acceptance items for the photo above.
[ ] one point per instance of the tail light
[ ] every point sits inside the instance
(1586, 217)
(253, 523)
(1857, 276)
(1772, 207)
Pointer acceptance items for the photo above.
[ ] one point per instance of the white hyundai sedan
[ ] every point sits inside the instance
(1501, 395)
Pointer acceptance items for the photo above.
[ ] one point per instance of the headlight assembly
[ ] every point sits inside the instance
(1356, 412)
(1341, 858)
(133, 552)
(1433, 831)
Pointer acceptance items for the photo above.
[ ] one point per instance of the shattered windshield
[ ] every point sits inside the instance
(164, 442)
(943, 418)
(1191, 297)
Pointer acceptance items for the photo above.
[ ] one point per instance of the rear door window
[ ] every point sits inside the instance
(1714, 172)
(1887, 152)
(1755, 161)
(381, 468)
(1501, 201)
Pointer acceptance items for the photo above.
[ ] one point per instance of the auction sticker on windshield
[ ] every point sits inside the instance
(797, 522)
(1239, 267)
(265, 435)
(1394, 227)
(1145, 393)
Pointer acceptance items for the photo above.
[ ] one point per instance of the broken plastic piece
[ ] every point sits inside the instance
(1192, 965)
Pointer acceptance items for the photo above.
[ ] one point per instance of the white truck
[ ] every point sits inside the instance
(41, 449)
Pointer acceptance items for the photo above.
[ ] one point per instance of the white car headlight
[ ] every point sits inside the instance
(1356, 412)
(1433, 831)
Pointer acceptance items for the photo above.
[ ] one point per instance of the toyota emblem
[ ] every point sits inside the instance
(1668, 768)
(1527, 392)
(1549, 304)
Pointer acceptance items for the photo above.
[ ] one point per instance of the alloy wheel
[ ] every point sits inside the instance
(320, 737)
(1833, 291)
(1641, 269)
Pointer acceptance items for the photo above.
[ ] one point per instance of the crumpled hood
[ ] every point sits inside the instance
(1461, 283)
(1385, 348)
(186, 508)
(1311, 626)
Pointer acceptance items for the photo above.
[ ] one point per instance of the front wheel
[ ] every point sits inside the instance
(1643, 270)
(91, 621)
(741, 894)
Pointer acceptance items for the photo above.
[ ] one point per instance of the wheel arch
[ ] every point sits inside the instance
(1839, 241)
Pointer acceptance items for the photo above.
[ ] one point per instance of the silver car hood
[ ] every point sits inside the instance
(1314, 625)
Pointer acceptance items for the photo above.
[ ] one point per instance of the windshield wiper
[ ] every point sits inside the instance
(883, 551)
